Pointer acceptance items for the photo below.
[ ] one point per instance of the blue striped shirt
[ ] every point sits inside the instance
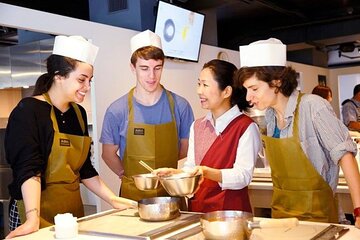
(323, 137)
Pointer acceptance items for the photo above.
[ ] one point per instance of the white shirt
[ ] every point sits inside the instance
(248, 148)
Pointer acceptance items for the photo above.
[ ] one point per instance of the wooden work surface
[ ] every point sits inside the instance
(127, 223)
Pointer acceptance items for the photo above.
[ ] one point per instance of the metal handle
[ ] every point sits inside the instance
(274, 223)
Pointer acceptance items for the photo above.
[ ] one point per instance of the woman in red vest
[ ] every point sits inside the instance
(223, 145)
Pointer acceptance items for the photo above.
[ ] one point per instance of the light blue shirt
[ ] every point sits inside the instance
(114, 129)
(351, 111)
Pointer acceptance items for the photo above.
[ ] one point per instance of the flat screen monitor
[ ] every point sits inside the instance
(180, 31)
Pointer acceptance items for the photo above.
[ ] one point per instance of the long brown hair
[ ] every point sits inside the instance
(56, 65)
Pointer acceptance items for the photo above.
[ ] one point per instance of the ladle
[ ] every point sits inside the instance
(150, 169)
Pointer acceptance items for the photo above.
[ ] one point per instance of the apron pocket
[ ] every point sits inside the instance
(312, 205)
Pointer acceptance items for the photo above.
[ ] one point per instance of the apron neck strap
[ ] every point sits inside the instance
(53, 116)
(169, 97)
(296, 116)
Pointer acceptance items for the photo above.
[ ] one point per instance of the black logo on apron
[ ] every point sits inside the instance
(64, 142)
(139, 131)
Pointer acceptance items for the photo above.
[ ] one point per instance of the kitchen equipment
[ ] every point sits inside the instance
(159, 208)
(181, 184)
(5, 180)
(142, 163)
(226, 225)
(237, 225)
(331, 232)
(146, 181)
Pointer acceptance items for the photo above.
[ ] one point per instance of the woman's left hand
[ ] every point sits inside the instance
(29, 226)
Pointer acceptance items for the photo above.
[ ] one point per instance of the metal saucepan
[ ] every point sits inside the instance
(237, 225)
(159, 208)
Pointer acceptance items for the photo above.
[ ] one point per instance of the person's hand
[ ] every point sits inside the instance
(198, 170)
(123, 203)
(357, 222)
(31, 225)
(164, 172)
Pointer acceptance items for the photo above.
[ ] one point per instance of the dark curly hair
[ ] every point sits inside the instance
(286, 75)
(223, 73)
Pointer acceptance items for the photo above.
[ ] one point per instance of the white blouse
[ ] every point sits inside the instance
(240, 175)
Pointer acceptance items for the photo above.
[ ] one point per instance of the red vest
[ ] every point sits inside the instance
(222, 155)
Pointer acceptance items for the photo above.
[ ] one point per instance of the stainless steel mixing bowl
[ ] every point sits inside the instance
(146, 181)
(230, 225)
(159, 208)
(182, 184)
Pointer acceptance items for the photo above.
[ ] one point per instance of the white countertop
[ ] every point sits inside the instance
(262, 181)
(305, 230)
(267, 185)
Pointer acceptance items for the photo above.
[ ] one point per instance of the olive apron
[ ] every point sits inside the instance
(298, 189)
(62, 193)
(156, 145)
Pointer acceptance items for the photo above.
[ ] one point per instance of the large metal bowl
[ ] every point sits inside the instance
(159, 208)
(146, 181)
(182, 184)
(220, 225)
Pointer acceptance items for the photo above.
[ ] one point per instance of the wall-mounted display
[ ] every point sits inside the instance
(180, 31)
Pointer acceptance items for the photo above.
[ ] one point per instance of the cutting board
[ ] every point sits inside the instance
(127, 223)
(300, 232)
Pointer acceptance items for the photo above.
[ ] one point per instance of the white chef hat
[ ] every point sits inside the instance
(143, 39)
(75, 47)
(270, 52)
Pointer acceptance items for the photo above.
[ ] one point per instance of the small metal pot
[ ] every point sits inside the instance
(159, 208)
(237, 225)
(145, 182)
(231, 225)
(181, 185)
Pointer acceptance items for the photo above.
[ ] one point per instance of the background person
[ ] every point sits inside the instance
(305, 143)
(149, 123)
(47, 142)
(351, 110)
(323, 91)
(223, 145)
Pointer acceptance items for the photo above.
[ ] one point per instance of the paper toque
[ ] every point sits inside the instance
(270, 52)
(143, 39)
(75, 47)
